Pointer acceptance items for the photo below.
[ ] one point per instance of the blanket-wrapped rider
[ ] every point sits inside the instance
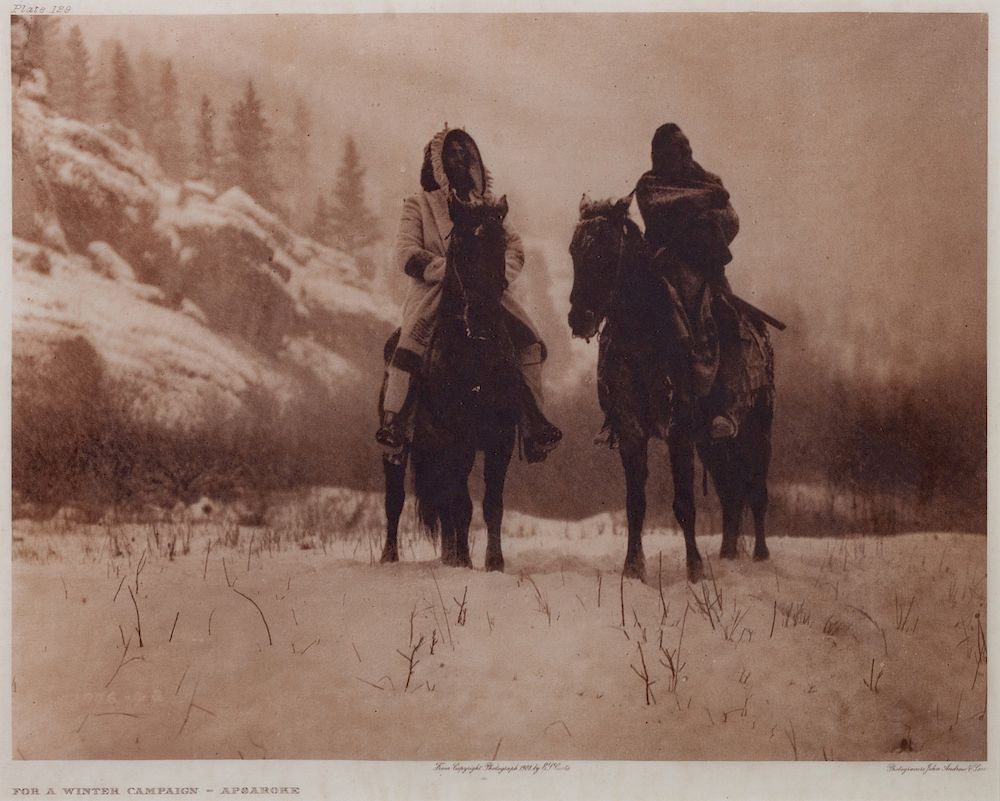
(690, 222)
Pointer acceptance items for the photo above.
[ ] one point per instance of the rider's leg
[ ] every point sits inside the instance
(723, 403)
(540, 435)
(392, 431)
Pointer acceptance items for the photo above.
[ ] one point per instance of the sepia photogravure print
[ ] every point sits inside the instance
(498, 404)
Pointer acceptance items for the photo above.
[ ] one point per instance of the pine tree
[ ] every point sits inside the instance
(204, 150)
(248, 164)
(40, 43)
(77, 102)
(167, 140)
(147, 79)
(353, 227)
(123, 101)
(319, 229)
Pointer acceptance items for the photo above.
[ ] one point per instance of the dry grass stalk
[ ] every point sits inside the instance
(411, 661)
(261, 611)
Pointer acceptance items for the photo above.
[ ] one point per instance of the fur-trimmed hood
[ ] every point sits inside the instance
(432, 175)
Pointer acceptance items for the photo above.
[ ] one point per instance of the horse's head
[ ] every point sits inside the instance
(601, 242)
(476, 260)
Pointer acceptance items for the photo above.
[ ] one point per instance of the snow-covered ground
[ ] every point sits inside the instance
(290, 641)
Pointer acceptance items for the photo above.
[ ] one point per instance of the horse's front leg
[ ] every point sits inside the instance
(460, 508)
(634, 455)
(682, 467)
(395, 496)
(496, 461)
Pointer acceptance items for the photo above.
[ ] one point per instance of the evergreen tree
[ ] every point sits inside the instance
(79, 91)
(204, 149)
(319, 229)
(147, 79)
(103, 86)
(123, 101)
(248, 163)
(167, 140)
(40, 44)
(353, 227)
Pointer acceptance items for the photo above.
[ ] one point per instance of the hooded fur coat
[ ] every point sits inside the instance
(421, 248)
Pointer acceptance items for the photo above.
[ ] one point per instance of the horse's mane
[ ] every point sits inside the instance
(599, 212)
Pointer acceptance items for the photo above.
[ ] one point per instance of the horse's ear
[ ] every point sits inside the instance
(585, 202)
(502, 207)
(622, 206)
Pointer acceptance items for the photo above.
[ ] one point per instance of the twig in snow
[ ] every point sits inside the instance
(650, 698)
(171, 637)
(120, 585)
(356, 651)
(451, 642)
(314, 642)
(204, 574)
(412, 661)
(622, 595)
(791, 739)
(462, 609)
(872, 681)
(251, 600)
(122, 664)
(659, 583)
(138, 625)
(553, 723)
(885, 644)
(497, 750)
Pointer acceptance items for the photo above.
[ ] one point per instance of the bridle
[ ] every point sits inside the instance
(465, 315)
(616, 282)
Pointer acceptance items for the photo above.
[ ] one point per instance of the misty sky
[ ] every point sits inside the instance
(854, 145)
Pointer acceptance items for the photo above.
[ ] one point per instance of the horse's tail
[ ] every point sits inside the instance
(428, 504)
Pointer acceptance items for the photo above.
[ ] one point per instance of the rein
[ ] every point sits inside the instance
(616, 286)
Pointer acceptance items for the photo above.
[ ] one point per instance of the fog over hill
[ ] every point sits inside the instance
(854, 147)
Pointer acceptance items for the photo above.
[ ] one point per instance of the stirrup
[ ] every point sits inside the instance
(536, 448)
(389, 435)
(723, 427)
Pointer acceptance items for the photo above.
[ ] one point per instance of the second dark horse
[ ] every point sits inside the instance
(644, 387)
(468, 393)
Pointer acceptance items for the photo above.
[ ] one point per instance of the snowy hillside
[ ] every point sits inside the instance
(193, 295)
(171, 339)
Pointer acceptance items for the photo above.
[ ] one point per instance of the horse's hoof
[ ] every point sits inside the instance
(494, 562)
(729, 552)
(635, 570)
(761, 554)
(463, 561)
(389, 555)
(696, 571)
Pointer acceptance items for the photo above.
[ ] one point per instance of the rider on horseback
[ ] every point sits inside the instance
(690, 223)
(452, 164)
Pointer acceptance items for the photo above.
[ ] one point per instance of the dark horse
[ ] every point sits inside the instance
(644, 381)
(469, 394)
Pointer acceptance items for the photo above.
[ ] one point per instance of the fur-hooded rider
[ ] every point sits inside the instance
(452, 162)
